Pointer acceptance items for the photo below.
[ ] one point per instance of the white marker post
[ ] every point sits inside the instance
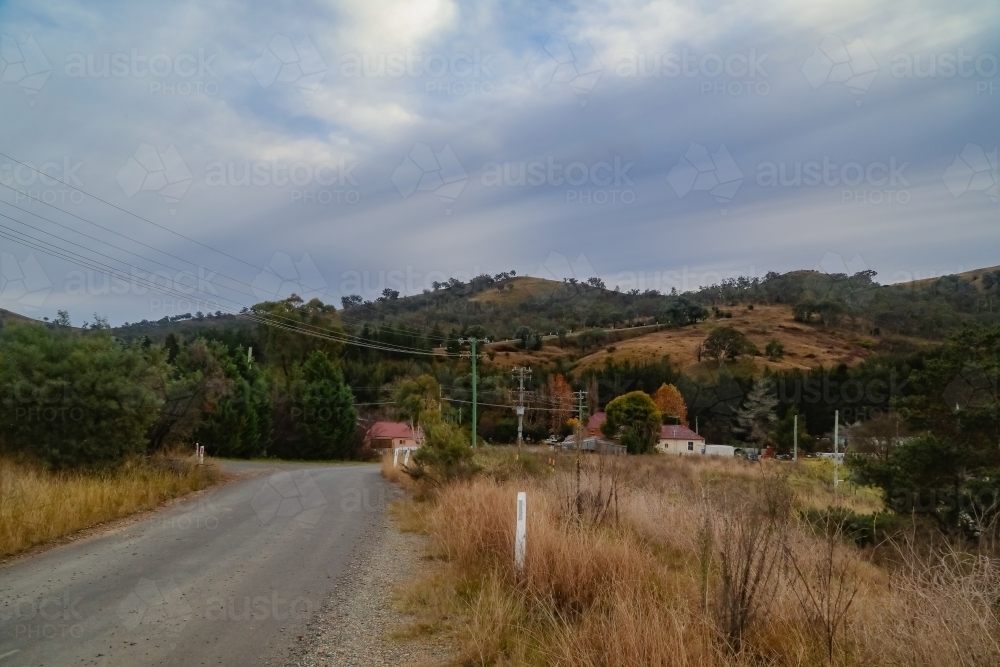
(201, 455)
(395, 457)
(406, 459)
(521, 532)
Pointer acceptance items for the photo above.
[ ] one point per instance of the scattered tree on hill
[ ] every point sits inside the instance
(351, 300)
(524, 334)
(774, 350)
(723, 343)
(634, 420)
(592, 338)
(671, 404)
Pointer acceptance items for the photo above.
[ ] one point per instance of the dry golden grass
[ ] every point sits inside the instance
(38, 506)
(806, 345)
(524, 288)
(634, 586)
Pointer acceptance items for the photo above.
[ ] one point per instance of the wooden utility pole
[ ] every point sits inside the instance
(520, 372)
(581, 429)
(472, 343)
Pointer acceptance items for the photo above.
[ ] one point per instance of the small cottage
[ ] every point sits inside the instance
(679, 440)
(393, 435)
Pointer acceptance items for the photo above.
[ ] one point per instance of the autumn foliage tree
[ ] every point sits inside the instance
(670, 403)
(561, 395)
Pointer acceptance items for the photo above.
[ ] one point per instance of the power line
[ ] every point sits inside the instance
(69, 255)
(139, 217)
(265, 319)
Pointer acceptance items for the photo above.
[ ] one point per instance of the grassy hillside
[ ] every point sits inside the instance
(820, 319)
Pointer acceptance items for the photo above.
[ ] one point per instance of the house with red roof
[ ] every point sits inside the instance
(594, 424)
(675, 439)
(393, 435)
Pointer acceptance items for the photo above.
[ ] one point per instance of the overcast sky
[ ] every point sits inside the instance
(350, 146)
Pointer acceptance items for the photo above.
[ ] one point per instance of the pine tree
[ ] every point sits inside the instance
(756, 417)
(326, 420)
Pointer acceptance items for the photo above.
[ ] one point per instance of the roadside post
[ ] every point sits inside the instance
(795, 438)
(836, 449)
(521, 531)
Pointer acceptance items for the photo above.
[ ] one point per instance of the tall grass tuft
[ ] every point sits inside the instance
(702, 563)
(38, 506)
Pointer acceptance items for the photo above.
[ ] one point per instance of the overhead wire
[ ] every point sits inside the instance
(146, 220)
(266, 318)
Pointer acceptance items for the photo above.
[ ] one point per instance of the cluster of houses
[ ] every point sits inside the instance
(673, 439)
(388, 436)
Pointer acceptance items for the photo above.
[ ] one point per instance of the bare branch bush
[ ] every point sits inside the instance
(825, 587)
(750, 527)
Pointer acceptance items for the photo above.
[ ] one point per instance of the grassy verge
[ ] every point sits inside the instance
(675, 561)
(38, 506)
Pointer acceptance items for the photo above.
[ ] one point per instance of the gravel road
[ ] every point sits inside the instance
(359, 624)
(233, 576)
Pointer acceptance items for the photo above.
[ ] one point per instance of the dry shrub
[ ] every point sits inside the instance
(748, 537)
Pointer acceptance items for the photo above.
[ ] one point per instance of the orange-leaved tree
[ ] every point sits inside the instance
(561, 395)
(671, 404)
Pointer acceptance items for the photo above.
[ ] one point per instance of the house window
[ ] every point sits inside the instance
(690, 446)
